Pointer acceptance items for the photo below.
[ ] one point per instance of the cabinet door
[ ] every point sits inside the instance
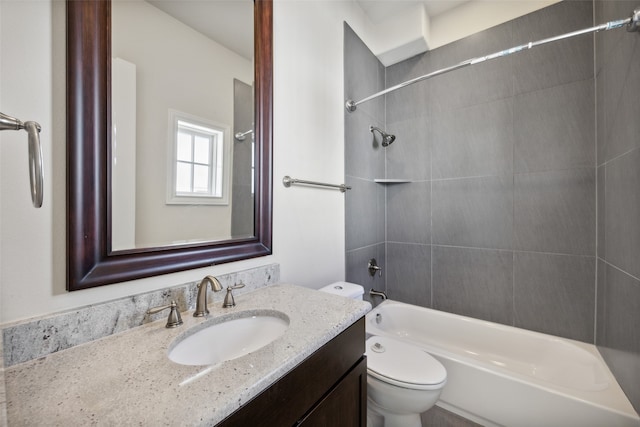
(346, 403)
(290, 398)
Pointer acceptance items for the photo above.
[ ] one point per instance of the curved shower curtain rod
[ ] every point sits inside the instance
(632, 23)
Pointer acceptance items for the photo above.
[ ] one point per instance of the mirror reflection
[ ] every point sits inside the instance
(182, 165)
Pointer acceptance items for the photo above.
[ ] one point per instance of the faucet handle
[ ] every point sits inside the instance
(174, 320)
(237, 285)
(229, 301)
(372, 266)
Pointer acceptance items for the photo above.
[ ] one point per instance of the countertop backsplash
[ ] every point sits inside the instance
(3, 394)
(37, 337)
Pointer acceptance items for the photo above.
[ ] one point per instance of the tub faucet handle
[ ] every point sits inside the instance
(229, 301)
(372, 266)
(174, 320)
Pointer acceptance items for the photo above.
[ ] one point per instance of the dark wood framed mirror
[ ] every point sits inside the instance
(90, 260)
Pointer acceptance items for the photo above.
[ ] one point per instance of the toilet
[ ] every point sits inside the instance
(402, 380)
(345, 289)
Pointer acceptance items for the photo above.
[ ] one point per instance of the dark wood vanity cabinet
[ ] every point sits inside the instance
(345, 404)
(329, 388)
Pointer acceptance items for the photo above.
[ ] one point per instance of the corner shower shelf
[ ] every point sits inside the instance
(391, 181)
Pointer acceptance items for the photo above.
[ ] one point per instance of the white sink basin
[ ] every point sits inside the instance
(228, 339)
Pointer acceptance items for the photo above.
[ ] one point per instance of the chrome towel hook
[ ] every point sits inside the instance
(36, 173)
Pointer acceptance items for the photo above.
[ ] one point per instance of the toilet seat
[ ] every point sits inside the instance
(403, 365)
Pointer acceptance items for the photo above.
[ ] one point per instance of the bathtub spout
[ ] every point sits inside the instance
(375, 293)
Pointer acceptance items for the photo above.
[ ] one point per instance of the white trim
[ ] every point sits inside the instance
(171, 197)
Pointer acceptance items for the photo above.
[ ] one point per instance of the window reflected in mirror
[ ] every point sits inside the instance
(198, 158)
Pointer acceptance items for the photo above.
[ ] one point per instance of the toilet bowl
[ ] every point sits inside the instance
(402, 380)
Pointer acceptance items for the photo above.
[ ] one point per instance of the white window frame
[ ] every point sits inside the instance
(173, 197)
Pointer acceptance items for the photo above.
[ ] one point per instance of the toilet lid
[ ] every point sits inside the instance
(402, 364)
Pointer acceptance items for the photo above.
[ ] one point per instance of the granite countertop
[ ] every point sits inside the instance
(127, 378)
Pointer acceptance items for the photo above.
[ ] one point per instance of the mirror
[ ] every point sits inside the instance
(93, 257)
(180, 73)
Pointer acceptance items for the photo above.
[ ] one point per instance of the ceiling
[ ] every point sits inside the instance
(400, 29)
(411, 26)
(227, 22)
(379, 10)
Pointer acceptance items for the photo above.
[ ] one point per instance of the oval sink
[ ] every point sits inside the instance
(230, 339)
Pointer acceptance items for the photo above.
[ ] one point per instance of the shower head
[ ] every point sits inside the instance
(387, 138)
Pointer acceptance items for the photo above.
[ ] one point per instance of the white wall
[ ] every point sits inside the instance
(123, 163)
(308, 142)
(478, 16)
(410, 31)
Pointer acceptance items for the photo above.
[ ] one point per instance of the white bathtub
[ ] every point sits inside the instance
(501, 375)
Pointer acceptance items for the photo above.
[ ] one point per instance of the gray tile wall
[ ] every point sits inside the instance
(502, 158)
(618, 184)
(242, 204)
(364, 162)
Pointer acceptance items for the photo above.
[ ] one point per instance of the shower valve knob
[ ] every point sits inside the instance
(372, 266)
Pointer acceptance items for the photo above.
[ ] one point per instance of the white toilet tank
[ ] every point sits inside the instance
(346, 289)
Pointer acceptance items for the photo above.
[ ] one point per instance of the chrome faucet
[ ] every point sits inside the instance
(201, 301)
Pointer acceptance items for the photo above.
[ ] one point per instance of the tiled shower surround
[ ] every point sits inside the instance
(618, 178)
(524, 201)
